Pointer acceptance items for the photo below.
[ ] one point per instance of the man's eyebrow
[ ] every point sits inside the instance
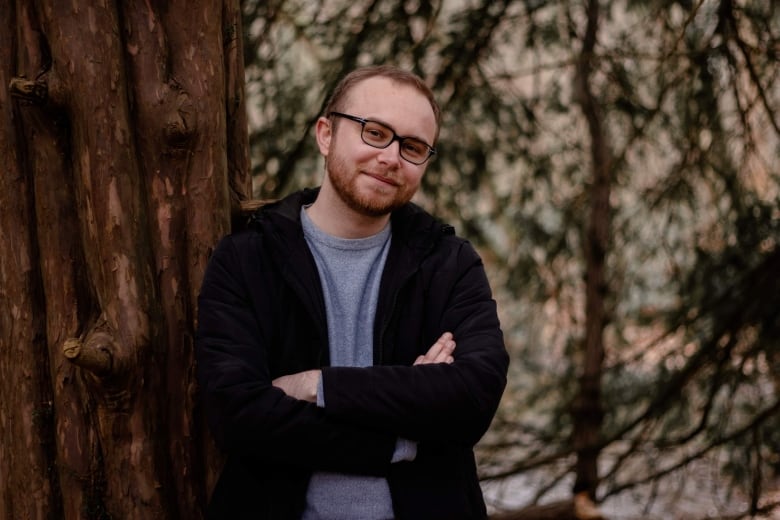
(388, 125)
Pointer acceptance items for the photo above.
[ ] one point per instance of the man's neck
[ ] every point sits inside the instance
(334, 217)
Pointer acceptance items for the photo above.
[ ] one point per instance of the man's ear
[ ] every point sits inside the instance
(324, 133)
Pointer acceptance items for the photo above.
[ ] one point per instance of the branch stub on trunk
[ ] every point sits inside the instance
(35, 92)
(94, 354)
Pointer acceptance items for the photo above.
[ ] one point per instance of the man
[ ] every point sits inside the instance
(349, 352)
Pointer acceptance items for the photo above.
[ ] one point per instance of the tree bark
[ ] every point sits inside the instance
(124, 136)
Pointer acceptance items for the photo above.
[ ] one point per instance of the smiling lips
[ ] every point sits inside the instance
(381, 178)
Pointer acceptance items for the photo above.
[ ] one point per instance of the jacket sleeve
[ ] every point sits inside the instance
(443, 402)
(246, 414)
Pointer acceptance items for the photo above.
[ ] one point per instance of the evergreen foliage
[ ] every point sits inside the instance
(688, 94)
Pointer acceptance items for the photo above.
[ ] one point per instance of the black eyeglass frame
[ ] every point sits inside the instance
(396, 137)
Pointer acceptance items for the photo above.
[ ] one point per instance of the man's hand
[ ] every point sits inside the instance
(302, 385)
(440, 352)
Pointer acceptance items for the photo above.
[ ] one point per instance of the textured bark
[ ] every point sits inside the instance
(124, 140)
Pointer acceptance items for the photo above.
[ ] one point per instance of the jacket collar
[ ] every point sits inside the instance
(412, 226)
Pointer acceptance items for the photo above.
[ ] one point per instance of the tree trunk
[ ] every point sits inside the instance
(587, 409)
(125, 148)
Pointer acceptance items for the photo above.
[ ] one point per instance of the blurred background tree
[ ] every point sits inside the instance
(616, 163)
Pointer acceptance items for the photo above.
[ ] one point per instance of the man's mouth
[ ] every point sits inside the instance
(383, 178)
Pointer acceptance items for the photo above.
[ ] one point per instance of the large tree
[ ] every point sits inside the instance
(124, 147)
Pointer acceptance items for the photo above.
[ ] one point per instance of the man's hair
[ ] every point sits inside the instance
(341, 92)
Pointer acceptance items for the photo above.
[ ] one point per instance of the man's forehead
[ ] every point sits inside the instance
(394, 103)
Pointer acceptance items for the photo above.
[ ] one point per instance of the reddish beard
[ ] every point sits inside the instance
(369, 202)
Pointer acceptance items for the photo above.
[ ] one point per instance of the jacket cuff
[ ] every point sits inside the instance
(320, 392)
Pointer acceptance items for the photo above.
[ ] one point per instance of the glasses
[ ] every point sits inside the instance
(381, 136)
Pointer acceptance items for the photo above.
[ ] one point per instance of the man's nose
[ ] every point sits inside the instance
(391, 154)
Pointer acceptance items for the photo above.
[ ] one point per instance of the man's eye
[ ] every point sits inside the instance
(376, 132)
(415, 148)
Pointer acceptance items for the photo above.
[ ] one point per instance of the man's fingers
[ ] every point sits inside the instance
(447, 336)
(443, 348)
(440, 352)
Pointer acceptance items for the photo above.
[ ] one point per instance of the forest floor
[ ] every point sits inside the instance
(697, 492)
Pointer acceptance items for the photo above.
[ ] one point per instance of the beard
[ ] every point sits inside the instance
(369, 201)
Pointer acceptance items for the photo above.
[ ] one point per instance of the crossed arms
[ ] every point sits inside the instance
(304, 385)
(447, 395)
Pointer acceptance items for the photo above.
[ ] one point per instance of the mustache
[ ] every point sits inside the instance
(389, 175)
(384, 177)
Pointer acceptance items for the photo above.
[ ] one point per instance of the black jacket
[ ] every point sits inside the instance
(262, 315)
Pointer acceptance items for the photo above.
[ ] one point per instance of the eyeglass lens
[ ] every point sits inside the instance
(378, 135)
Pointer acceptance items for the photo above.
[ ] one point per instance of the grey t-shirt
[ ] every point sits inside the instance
(350, 271)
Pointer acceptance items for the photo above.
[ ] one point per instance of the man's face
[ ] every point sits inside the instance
(373, 181)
